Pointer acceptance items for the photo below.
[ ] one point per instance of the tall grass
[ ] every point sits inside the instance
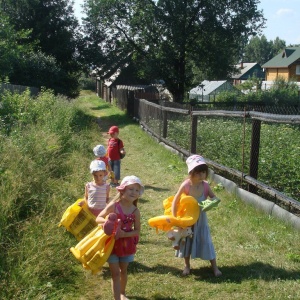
(44, 142)
(44, 165)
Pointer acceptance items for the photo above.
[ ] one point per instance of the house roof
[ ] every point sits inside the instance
(242, 71)
(284, 59)
(208, 87)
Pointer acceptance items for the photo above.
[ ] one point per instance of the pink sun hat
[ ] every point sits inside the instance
(128, 180)
(194, 161)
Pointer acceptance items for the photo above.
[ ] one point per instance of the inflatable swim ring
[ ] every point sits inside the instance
(78, 220)
(94, 250)
(187, 214)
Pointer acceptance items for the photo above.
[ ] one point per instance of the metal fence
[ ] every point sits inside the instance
(256, 146)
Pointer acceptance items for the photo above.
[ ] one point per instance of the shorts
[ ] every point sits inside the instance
(116, 259)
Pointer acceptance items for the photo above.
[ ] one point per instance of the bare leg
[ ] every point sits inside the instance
(187, 266)
(215, 268)
(115, 280)
(123, 268)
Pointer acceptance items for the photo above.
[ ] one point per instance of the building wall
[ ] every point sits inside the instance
(293, 73)
(273, 73)
(286, 73)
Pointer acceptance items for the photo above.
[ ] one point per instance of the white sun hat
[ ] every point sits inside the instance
(128, 180)
(97, 165)
(99, 151)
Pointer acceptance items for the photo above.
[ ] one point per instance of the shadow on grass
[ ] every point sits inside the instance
(239, 273)
(235, 274)
(154, 297)
(119, 120)
(156, 189)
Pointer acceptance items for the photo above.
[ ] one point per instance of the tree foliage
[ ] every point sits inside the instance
(12, 46)
(260, 50)
(282, 92)
(53, 34)
(169, 39)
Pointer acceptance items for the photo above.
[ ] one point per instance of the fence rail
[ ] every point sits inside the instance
(259, 150)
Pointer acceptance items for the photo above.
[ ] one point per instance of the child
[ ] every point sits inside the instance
(125, 206)
(100, 153)
(97, 192)
(115, 150)
(200, 246)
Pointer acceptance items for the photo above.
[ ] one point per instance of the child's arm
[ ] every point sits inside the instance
(107, 210)
(122, 149)
(211, 194)
(177, 198)
(85, 196)
(107, 193)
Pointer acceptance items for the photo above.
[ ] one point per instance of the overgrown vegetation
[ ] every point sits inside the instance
(46, 147)
(221, 140)
(282, 92)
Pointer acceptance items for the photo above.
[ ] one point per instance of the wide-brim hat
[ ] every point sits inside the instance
(194, 161)
(128, 180)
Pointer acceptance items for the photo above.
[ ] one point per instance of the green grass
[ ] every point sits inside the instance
(221, 140)
(258, 255)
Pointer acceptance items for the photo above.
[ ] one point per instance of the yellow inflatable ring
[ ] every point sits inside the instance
(94, 249)
(187, 214)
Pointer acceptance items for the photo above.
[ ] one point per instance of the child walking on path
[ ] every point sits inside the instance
(97, 191)
(115, 150)
(125, 206)
(100, 153)
(201, 245)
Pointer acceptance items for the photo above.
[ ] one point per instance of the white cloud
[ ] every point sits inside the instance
(283, 12)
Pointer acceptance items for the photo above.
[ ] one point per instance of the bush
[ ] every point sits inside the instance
(282, 93)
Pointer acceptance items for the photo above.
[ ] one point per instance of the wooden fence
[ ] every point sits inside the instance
(18, 89)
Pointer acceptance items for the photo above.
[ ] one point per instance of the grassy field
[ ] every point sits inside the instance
(258, 255)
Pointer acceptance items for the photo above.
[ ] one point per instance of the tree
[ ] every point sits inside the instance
(167, 39)
(54, 31)
(11, 46)
(260, 50)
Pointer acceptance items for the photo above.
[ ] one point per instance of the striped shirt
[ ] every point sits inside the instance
(97, 195)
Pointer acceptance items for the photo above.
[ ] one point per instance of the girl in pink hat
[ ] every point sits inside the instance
(201, 245)
(125, 206)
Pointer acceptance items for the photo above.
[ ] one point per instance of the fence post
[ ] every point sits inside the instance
(165, 123)
(254, 152)
(193, 146)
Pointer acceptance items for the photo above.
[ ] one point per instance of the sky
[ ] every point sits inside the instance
(283, 19)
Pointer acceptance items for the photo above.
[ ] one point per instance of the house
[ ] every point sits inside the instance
(286, 64)
(246, 71)
(207, 90)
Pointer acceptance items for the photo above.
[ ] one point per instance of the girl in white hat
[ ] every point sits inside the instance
(201, 245)
(100, 153)
(125, 206)
(96, 192)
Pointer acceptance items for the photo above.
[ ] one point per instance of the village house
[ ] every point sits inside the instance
(286, 65)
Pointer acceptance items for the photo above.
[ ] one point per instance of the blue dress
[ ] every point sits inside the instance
(200, 245)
